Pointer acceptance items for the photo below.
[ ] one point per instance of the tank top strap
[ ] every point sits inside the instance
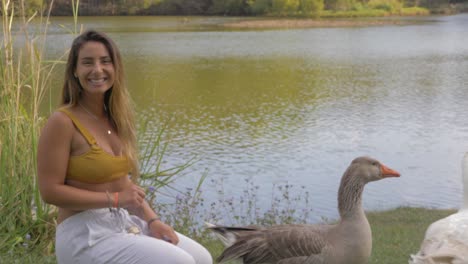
(80, 127)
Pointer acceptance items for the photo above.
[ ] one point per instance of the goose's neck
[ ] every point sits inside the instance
(350, 197)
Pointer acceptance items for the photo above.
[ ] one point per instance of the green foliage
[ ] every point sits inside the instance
(434, 3)
(414, 11)
(183, 208)
(62, 8)
(260, 7)
(308, 7)
(149, 3)
(24, 79)
(285, 7)
(244, 210)
(33, 6)
(182, 7)
(27, 8)
(152, 152)
(238, 7)
(354, 13)
(358, 7)
(391, 6)
(229, 7)
(339, 5)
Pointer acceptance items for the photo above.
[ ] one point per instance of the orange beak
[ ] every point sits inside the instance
(387, 172)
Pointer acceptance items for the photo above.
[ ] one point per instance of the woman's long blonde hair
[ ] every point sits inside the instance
(116, 99)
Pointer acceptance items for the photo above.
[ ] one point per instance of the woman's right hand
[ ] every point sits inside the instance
(132, 196)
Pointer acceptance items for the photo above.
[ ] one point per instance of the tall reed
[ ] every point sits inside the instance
(24, 80)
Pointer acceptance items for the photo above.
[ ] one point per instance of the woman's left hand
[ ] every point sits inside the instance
(160, 230)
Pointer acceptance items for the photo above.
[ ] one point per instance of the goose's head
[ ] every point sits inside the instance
(369, 169)
(361, 171)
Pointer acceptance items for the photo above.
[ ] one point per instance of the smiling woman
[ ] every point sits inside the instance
(94, 70)
(95, 73)
(86, 155)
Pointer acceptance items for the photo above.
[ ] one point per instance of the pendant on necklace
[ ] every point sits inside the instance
(109, 132)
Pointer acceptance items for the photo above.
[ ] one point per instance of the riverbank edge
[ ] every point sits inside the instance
(290, 23)
(397, 233)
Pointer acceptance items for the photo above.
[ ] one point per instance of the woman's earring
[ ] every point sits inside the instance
(75, 75)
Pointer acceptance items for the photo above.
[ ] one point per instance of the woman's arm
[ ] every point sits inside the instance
(157, 228)
(52, 162)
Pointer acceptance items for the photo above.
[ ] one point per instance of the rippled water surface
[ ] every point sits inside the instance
(296, 106)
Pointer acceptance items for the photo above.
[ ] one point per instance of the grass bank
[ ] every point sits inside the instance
(396, 234)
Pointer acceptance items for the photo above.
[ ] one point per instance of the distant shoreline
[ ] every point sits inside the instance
(312, 23)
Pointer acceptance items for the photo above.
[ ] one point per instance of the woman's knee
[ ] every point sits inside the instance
(197, 251)
(165, 253)
(181, 258)
(203, 257)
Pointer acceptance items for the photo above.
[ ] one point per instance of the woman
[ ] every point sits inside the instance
(86, 153)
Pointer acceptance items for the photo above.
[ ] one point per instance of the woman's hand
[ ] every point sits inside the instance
(132, 196)
(160, 230)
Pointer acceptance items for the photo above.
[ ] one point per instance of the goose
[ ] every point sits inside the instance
(446, 240)
(347, 242)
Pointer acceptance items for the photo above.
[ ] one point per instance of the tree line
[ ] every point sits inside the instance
(226, 7)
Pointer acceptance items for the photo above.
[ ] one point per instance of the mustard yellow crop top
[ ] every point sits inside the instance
(96, 165)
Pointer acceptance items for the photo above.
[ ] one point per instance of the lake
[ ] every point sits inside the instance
(260, 109)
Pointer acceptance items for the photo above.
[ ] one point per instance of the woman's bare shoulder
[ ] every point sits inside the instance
(56, 136)
(58, 122)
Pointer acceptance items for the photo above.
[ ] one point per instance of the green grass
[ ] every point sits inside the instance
(398, 233)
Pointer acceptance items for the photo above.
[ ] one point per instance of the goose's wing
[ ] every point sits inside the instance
(303, 260)
(279, 243)
(297, 240)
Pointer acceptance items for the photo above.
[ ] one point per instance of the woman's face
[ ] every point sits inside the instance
(94, 68)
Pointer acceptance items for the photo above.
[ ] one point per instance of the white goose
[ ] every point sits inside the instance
(348, 242)
(446, 240)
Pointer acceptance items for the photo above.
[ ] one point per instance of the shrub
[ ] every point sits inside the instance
(311, 6)
(285, 7)
(391, 6)
(260, 7)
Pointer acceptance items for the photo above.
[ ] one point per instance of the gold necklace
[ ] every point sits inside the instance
(93, 116)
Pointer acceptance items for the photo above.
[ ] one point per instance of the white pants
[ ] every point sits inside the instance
(99, 236)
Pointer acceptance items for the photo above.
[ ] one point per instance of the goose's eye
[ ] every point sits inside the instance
(374, 163)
